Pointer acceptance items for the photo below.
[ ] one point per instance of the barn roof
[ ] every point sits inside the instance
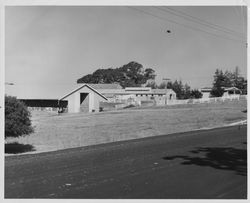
(209, 89)
(80, 87)
(231, 88)
(163, 91)
(103, 86)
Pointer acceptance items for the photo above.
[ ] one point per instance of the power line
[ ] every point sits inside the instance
(186, 26)
(243, 19)
(201, 22)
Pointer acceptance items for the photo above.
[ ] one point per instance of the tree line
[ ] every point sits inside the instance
(129, 75)
(183, 91)
(226, 79)
(133, 74)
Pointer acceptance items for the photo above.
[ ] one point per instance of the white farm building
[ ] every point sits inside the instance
(83, 99)
(228, 91)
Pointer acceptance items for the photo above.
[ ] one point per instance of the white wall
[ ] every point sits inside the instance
(91, 102)
(74, 100)
(74, 103)
(97, 100)
(205, 94)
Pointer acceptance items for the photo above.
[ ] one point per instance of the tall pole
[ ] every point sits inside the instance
(166, 79)
(9, 83)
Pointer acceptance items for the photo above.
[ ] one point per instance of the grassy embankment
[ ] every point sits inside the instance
(54, 132)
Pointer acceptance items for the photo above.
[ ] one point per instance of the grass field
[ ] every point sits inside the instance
(54, 132)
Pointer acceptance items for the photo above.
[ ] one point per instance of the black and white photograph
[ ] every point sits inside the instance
(125, 101)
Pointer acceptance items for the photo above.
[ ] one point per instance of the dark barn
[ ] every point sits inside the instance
(53, 103)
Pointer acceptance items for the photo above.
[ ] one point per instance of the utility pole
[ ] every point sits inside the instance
(9, 83)
(166, 79)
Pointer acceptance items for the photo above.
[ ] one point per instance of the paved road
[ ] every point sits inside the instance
(201, 164)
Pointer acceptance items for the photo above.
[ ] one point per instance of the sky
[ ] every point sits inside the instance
(53, 46)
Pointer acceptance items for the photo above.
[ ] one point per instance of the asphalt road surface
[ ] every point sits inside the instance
(203, 164)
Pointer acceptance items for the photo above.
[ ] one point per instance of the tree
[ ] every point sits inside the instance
(227, 79)
(244, 87)
(186, 92)
(151, 84)
(17, 118)
(182, 92)
(195, 94)
(170, 85)
(219, 82)
(163, 85)
(129, 75)
(178, 88)
(240, 82)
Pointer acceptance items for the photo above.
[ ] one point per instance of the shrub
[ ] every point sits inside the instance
(17, 118)
(196, 94)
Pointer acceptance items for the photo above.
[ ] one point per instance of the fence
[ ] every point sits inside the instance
(128, 103)
(162, 101)
(207, 100)
(42, 108)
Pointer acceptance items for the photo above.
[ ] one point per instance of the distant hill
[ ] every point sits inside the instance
(130, 75)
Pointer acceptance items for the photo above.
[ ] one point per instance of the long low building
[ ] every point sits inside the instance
(144, 93)
(228, 91)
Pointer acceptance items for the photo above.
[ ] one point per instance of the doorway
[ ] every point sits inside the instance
(84, 102)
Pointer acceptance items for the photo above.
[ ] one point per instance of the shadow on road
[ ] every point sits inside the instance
(15, 148)
(217, 157)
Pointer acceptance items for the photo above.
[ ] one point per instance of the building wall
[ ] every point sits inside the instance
(74, 103)
(225, 94)
(205, 94)
(160, 101)
(92, 100)
(97, 102)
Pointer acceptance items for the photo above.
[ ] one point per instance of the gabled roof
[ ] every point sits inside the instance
(163, 91)
(209, 89)
(206, 88)
(138, 91)
(230, 88)
(82, 86)
(103, 86)
(127, 89)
